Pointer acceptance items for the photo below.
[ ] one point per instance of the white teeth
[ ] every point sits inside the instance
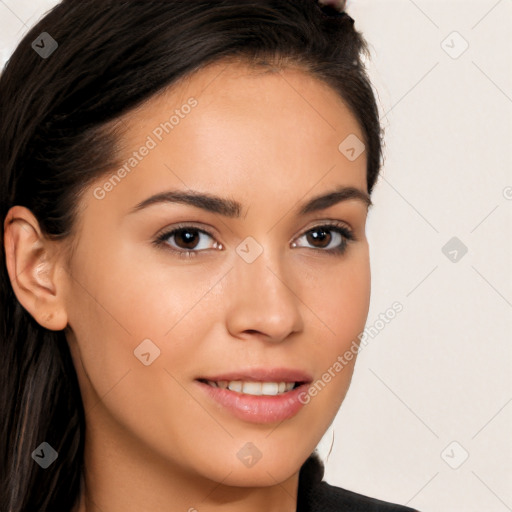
(254, 388)
(262, 388)
(235, 385)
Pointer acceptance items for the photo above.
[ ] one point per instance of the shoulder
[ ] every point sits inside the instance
(329, 498)
(316, 495)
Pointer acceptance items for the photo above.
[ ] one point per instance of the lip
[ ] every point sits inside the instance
(257, 408)
(263, 375)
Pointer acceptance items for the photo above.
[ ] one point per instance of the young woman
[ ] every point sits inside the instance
(184, 191)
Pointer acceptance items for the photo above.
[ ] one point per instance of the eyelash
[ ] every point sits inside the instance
(346, 234)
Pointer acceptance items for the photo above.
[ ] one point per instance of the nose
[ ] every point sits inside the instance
(262, 300)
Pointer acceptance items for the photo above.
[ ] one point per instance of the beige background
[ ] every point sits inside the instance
(434, 385)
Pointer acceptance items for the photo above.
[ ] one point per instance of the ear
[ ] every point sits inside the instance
(34, 267)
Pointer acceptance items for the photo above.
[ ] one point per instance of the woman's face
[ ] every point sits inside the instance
(145, 322)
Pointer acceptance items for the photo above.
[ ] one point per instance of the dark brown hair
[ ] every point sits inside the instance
(55, 139)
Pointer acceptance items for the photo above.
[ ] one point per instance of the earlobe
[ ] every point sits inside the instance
(33, 266)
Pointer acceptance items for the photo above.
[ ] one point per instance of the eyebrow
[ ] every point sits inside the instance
(230, 208)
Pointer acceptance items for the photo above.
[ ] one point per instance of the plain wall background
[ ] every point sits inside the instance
(434, 385)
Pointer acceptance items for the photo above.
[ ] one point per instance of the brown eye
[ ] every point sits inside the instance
(186, 238)
(329, 238)
(319, 237)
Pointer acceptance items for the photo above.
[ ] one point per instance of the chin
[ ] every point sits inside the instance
(260, 475)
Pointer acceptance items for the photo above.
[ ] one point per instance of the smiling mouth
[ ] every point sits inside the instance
(255, 388)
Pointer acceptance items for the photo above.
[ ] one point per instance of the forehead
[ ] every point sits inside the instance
(235, 86)
(230, 129)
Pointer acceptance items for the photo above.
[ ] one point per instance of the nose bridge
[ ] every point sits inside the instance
(262, 296)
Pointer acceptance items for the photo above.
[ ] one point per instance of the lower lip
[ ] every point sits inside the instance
(258, 408)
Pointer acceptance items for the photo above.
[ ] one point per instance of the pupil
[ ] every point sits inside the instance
(188, 236)
(321, 237)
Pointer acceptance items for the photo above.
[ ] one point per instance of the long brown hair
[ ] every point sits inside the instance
(54, 141)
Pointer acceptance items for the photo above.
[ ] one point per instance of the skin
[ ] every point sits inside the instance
(269, 141)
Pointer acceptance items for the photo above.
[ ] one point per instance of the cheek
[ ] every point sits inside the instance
(341, 304)
(129, 300)
(353, 294)
(339, 298)
(119, 302)
(113, 308)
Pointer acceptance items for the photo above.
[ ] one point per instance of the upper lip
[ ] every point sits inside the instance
(262, 375)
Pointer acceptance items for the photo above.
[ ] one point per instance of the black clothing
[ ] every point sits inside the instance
(315, 495)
